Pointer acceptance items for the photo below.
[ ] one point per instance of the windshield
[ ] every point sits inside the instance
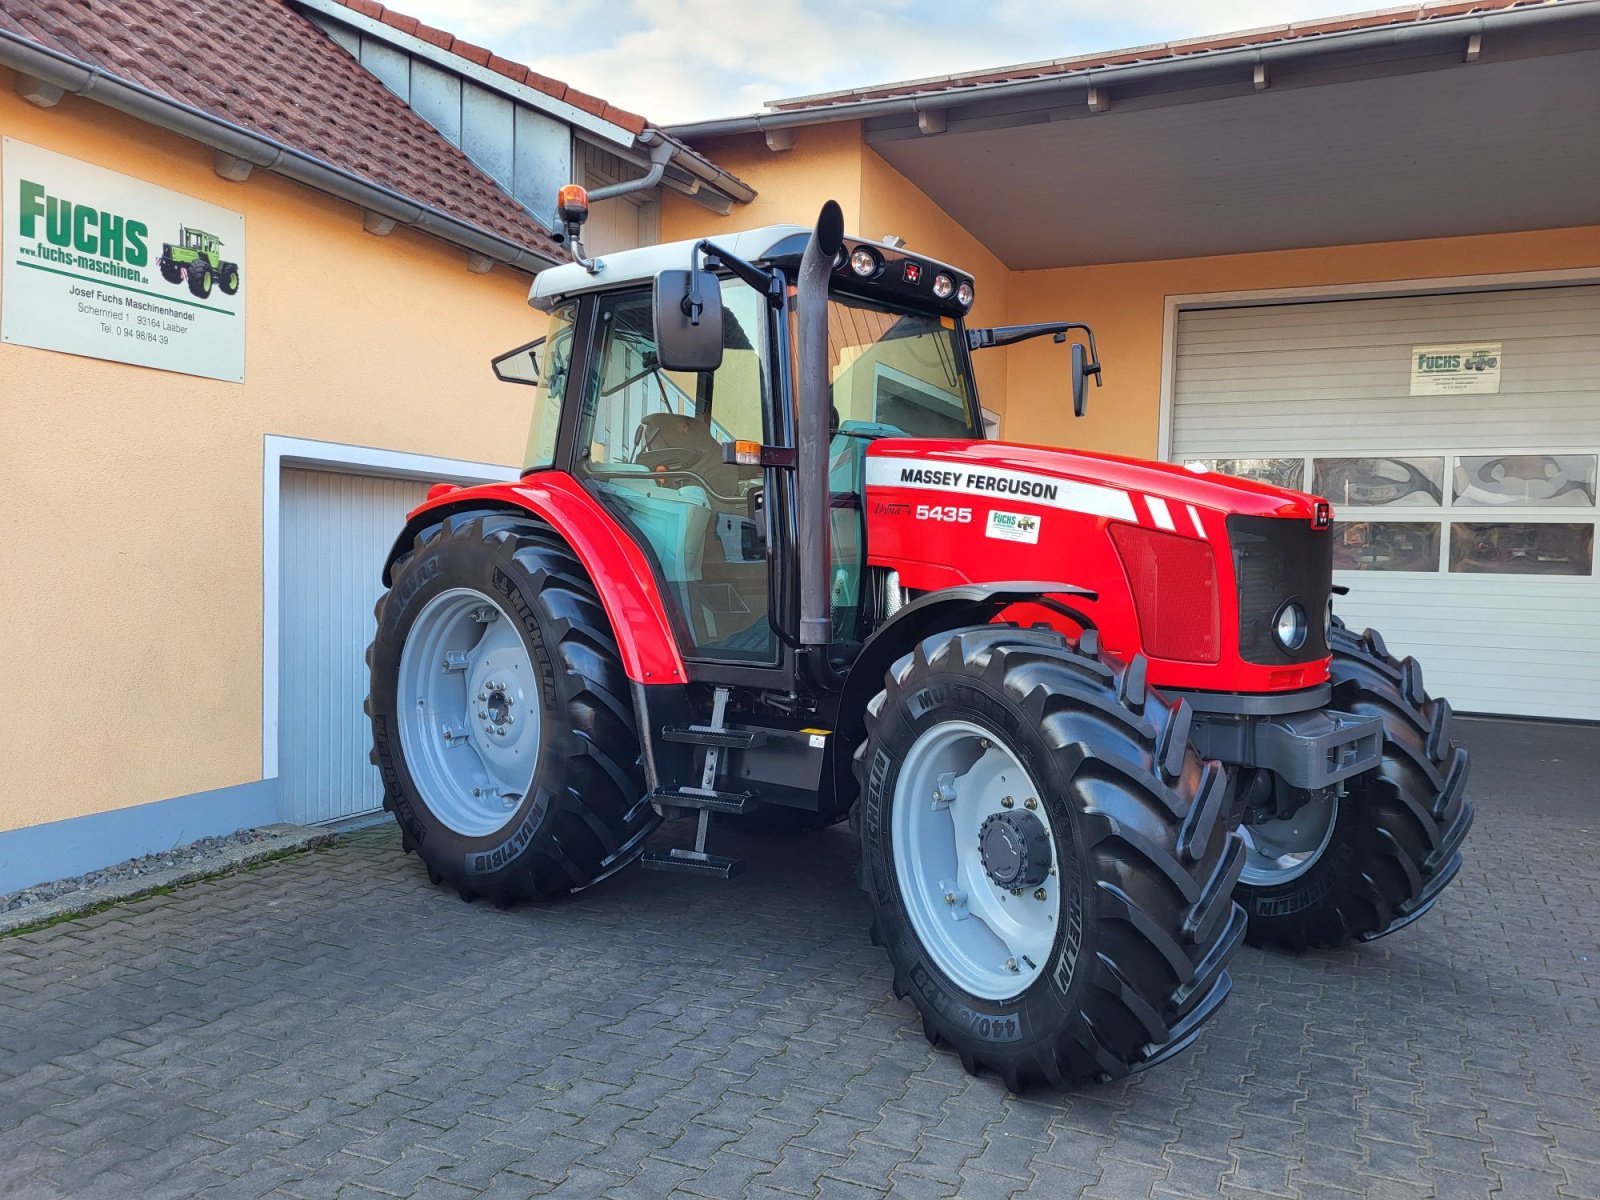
(898, 374)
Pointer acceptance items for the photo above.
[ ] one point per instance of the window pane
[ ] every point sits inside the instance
(1521, 549)
(1526, 480)
(1385, 546)
(553, 359)
(1356, 482)
(1280, 472)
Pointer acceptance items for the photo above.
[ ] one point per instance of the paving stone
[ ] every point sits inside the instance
(329, 1025)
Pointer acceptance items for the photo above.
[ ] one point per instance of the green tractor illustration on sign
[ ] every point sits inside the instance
(197, 258)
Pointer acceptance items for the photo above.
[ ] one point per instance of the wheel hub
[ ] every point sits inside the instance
(1015, 847)
(470, 723)
(974, 869)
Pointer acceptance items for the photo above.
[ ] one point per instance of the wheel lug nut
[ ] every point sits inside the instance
(1007, 802)
(1011, 964)
(1040, 894)
(1030, 803)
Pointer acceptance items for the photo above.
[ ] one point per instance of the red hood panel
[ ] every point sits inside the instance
(1223, 493)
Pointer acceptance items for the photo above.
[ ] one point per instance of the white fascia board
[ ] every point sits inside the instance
(467, 69)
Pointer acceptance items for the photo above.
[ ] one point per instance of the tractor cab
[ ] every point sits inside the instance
(668, 386)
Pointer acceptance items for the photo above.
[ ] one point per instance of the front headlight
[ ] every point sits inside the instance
(1290, 626)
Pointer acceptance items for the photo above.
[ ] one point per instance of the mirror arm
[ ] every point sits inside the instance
(1010, 335)
(747, 272)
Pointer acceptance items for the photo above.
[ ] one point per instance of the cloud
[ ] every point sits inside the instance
(678, 60)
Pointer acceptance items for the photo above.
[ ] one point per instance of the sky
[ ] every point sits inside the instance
(685, 60)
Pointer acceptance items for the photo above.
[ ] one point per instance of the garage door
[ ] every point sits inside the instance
(1458, 438)
(334, 532)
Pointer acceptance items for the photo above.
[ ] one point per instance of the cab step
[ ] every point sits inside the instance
(736, 803)
(729, 737)
(691, 862)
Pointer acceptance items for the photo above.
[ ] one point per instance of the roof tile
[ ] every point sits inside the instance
(272, 71)
(400, 21)
(474, 54)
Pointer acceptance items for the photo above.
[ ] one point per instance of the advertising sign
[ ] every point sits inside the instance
(1471, 368)
(107, 266)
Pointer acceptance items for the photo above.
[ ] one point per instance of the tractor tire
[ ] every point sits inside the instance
(1395, 841)
(492, 639)
(228, 279)
(200, 279)
(170, 271)
(1107, 861)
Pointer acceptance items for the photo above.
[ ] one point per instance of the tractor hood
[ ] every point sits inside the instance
(1105, 484)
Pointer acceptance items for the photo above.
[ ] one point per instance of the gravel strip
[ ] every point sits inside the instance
(167, 868)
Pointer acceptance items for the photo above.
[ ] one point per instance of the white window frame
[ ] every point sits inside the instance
(279, 452)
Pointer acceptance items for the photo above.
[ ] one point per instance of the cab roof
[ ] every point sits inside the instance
(555, 284)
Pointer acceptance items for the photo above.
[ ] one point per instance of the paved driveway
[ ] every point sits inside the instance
(330, 1024)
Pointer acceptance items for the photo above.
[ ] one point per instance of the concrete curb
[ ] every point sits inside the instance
(279, 839)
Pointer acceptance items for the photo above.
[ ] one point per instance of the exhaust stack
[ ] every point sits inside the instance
(814, 405)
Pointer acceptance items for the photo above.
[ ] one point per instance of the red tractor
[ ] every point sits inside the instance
(1092, 719)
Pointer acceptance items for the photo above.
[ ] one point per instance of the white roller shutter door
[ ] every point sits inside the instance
(1467, 521)
(334, 530)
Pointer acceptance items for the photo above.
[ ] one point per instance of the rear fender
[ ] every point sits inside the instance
(948, 608)
(622, 574)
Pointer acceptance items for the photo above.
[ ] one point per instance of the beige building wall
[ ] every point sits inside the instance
(131, 598)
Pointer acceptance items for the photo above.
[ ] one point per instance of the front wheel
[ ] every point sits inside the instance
(1363, 865)
(1048, 863)
(200, 280)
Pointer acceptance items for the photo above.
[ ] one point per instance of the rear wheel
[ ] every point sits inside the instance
(1048, 863)
(1363, 866)
(228, 281)
(500, 715)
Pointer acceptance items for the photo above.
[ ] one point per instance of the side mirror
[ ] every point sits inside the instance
(688, 321)
(520, 365)
(1080, 380)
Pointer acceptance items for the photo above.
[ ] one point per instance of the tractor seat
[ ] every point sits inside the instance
(674, 442)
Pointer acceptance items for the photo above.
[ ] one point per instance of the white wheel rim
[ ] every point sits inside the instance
(469, 712)
(1279, 851)
(993, 942)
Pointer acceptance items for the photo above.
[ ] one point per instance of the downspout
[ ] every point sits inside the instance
(813, 407)
(660, 156)
(28, 57)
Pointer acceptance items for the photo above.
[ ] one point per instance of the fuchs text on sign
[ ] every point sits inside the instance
(1469, 368)
(107, 266)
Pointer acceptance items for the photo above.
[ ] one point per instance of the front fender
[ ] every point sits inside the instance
(947, 608)
(621, 573)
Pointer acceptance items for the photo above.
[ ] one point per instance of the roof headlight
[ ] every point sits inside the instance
(1290, 626)
(865, 262)
(964, 294)
(943, 286)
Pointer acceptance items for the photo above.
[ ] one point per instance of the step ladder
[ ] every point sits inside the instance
(706, 799)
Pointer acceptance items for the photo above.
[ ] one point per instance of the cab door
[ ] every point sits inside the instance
(649, 447)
